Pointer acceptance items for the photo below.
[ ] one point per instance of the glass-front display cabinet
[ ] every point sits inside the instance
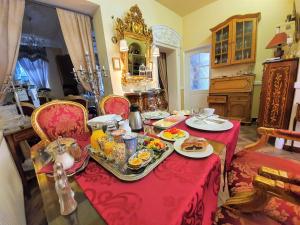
(234, 40)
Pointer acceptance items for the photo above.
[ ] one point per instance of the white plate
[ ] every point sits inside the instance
(207, 152)
(156, 115)
(186, 135)
(104, 119)
(208, 125)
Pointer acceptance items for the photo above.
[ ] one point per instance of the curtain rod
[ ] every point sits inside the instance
(54, 7)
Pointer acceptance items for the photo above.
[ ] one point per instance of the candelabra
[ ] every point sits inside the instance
(90, 77)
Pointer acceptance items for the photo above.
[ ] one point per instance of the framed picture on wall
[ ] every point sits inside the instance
(116, 63)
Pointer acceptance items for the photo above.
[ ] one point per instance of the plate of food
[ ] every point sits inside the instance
(169, 121)
(154, 144)
(173, 134)
(182, 112)
(140, 159)
(193, 147)
(155, 115)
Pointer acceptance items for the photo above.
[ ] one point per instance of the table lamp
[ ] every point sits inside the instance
(277, 42)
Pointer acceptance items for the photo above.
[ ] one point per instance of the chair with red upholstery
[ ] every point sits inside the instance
(245, 167)
(59, 118)
(115, 104)
(79, 99)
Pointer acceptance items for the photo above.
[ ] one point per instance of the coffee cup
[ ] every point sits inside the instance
(208, 111)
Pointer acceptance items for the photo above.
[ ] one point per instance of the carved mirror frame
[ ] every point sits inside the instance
(133, 26)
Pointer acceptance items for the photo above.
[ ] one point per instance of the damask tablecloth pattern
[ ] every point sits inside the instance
(179, 191)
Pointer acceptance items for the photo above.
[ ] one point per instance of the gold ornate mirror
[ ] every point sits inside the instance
(136, 40)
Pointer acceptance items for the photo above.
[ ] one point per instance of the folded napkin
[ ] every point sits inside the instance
(48, 168)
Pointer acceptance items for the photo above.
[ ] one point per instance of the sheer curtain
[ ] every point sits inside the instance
(36, 70)
(11, 17)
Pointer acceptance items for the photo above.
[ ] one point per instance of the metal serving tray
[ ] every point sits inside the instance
(126, 173)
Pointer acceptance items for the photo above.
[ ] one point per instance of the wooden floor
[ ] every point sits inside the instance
(34, 206)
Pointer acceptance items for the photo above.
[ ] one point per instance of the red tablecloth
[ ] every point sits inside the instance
(179, 191)
(229, 138)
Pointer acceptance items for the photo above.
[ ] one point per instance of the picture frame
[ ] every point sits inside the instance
(116, 63)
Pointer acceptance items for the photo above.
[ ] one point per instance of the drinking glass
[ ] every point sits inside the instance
(130, 141)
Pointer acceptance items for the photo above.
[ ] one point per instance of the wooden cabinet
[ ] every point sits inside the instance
(231, 97)
(277, 93)
(234, 40)
(239, 107)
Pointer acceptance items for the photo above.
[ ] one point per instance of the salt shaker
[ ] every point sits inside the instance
(65, 194)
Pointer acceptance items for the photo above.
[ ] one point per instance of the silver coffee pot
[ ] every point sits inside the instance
(135, 118)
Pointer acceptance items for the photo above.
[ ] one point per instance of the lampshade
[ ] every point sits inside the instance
(123, 45)
(278, 39)
(155, 51)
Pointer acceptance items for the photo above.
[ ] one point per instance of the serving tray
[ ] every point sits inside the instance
(126, 174)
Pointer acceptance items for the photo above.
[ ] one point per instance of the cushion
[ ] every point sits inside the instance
(117, 105)
(244, 167)
(226, 216)
(61, 120)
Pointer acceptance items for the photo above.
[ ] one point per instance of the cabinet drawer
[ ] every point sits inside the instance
(217, 99)
(239, 98)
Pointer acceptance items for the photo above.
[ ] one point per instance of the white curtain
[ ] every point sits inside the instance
(11, 17)
(37, 71)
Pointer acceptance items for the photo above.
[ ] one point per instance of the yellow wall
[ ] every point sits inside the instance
(153, 13)
(196, 31)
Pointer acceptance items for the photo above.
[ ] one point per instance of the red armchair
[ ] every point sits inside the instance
(245, 167)
(59, 118)
(115, 104)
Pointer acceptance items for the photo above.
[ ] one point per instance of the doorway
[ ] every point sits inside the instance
(172, 79)
(197, 78)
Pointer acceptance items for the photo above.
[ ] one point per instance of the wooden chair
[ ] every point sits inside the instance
(253, 207)
(115, 104)
(77, 98)
(27, 108)
(251, 195)
(59, 118)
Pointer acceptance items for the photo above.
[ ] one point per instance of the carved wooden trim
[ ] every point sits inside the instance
(133, 24)
(166, 36)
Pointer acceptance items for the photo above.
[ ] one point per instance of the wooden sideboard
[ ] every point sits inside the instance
(231, 97)
(277, 93)
(148, 100)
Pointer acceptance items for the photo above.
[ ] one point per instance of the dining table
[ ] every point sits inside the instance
(180, 190)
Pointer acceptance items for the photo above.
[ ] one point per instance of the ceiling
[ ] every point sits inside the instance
(42, 21)
(82, 6)
(184, 7)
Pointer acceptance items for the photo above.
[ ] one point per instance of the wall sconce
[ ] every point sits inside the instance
(155, 51)
(123, 46)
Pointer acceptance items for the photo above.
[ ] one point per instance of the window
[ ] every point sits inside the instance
(199, 71)
(21, 76)
(32, 72)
